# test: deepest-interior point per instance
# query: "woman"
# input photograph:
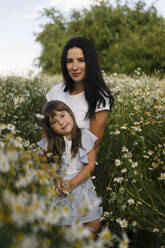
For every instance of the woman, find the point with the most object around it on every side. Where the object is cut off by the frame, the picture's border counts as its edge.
(83, 89)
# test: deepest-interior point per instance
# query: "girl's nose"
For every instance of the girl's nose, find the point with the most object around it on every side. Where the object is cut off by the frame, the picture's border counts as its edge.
(60, 122)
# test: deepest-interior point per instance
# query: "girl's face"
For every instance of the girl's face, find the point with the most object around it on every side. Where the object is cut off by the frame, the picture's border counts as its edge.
(62, 123)
(75, 64)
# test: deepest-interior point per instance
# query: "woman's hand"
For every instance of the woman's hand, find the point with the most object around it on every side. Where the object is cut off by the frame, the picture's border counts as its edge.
(97, 126)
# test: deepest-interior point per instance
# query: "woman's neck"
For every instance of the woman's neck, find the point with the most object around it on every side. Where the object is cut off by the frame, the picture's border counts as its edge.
(79, 87)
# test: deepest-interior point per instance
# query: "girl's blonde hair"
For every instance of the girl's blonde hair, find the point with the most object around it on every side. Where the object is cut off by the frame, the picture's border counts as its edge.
(56, 143)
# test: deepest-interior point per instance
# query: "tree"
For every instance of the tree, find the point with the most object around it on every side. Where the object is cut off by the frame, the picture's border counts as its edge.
(52, 39)
(126, 38)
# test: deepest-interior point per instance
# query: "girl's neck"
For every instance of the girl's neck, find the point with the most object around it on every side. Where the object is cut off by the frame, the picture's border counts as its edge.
(68, 137)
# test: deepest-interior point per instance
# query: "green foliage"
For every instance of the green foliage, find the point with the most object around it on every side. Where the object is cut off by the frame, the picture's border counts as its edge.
(132, 160)
(52, 39)
(21, 99)
(126, 38)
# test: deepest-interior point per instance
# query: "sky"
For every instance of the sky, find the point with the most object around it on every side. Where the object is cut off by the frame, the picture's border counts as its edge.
(20, 20)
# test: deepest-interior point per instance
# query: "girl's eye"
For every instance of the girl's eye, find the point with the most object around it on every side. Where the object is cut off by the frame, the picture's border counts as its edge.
(54, 122)
(62, 115)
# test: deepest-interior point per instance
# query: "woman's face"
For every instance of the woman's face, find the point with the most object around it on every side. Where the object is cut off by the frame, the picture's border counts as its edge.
(75, 64)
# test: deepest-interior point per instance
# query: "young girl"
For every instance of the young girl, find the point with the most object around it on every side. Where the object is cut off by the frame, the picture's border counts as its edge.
(76, 153)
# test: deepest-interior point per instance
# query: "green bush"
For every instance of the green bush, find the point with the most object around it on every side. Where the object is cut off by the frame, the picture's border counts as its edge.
(125, 37)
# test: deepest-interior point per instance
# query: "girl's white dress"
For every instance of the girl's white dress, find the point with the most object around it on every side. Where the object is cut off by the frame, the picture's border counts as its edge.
(82, 204)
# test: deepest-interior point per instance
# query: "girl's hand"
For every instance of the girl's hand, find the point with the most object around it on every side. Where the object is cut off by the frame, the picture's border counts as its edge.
(67, 187)
(58, 187)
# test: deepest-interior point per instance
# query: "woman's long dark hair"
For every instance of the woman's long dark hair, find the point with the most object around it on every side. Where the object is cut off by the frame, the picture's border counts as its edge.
(56, 143)
(94, 84)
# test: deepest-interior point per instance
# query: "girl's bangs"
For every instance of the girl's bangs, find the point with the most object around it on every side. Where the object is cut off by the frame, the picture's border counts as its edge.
(58, 108)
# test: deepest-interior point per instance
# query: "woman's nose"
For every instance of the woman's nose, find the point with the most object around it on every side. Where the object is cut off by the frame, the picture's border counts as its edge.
(75, 65)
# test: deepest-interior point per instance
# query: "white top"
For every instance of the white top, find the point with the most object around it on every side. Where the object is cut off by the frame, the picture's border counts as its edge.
(77, 103)
(74, 165)
(71, 163)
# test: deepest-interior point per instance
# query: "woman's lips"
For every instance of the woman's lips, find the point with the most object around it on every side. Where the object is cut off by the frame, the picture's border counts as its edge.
(76, 74)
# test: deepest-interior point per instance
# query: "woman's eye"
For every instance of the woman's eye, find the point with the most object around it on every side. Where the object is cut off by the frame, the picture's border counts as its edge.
(68, 61)
(82, 60)
(62, 115)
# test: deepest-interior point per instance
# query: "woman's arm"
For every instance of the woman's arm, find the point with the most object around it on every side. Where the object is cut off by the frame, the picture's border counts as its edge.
(43, 134)
(97, 126)
(83, 174)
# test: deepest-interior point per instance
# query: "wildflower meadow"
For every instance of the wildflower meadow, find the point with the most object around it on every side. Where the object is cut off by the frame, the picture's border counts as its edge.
(129, 175)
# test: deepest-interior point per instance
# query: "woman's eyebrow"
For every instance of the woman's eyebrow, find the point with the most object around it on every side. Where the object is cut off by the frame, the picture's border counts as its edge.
(81, 57)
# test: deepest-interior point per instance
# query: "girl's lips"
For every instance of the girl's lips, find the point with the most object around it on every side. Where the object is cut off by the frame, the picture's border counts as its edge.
(65, 127)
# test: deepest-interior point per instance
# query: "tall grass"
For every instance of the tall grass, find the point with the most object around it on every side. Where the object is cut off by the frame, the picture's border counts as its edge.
(21, 99)
(131, 169)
